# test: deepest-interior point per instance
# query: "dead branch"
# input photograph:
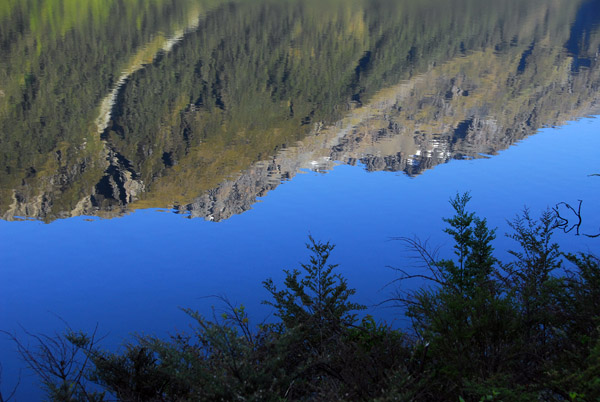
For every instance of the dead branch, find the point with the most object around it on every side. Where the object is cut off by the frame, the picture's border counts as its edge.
(567, 224)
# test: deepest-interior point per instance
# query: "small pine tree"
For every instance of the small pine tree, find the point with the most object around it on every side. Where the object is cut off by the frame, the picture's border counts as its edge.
(466, 321)
(319, 301)
(315, 313)
(473, 248)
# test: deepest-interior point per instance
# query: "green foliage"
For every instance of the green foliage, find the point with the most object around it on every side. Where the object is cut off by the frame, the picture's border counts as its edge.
(324, 347)
(577, 368)
(319, 301)
(472, 245)
(502, 330)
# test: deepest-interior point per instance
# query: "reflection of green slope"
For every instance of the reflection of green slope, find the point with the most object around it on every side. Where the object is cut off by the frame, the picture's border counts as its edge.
(60, 58)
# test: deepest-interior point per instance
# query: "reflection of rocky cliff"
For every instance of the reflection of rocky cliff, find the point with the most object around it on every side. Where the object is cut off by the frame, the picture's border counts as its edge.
(216, 123)
(469, 111)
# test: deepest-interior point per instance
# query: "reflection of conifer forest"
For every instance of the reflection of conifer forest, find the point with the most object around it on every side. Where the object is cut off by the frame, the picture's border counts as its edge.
(250, 78)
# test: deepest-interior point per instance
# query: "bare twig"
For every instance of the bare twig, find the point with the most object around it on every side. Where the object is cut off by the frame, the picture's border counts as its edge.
(423, 253)
(567, 225)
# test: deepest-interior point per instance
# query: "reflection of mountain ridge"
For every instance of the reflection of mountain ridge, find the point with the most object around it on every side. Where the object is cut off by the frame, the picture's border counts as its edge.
(386, 135)
(185, 127)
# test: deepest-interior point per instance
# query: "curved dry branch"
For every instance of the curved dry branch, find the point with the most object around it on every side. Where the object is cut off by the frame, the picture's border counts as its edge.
(567, 224)
(426, 255)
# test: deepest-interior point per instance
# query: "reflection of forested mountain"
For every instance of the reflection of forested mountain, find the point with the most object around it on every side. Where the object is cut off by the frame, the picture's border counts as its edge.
(58, 59)
(262, 89)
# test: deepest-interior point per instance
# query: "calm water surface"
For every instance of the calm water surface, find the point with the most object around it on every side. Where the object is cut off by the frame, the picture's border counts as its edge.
(155, 153)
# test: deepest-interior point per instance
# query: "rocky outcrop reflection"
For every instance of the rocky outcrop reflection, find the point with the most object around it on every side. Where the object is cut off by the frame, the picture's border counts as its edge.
(116, 187)
(236, 196)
